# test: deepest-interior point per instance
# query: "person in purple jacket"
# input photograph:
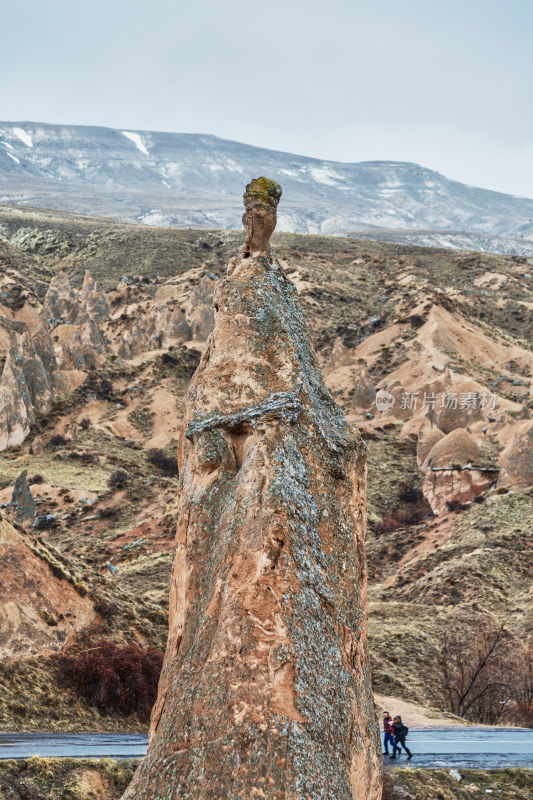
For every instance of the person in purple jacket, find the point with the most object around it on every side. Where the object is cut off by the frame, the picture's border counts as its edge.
(387, 733)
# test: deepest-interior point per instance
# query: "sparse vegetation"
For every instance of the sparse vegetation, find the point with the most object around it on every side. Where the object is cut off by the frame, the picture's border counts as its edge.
(409, 493)
(423, 576)
(438, 784)
(166, 463)
(70, 778)
(117, 680)
(105, 389)
(413, 516)
(57, 440)
(118, 479)
(65, 779)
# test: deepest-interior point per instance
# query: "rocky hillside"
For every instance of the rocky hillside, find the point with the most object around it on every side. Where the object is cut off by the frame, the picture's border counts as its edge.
(103, 323)
(192, 180)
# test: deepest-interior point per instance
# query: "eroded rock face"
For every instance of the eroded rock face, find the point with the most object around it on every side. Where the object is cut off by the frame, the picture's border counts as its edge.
(93, 302)
(88, 348)
(340, 356)
(29, 383)
(517, 459)
(38, 613)
(448, 487)
(22, 499)
(426, 441)
(365, 392)
(452, 483)
(200, 316)
(265, 690)
(16, 410)
(61, 303)
(261, 200)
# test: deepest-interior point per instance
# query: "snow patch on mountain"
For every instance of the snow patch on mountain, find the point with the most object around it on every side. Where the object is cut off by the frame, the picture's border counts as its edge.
(23, 136)
(325, 175)
(137, 141)
(196, 180)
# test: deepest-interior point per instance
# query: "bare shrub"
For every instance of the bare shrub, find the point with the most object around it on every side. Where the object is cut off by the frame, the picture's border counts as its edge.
(35, 479)
(85, 457)
(118, 479)
(408, 493)
(117, 680)
(455, 505)
(105, 389)
(85, 423)
(518, 705)
(416, 320)
(167, 464)
(57, 440)
(105, 608)
(109, 512)
(413, 516)
(386, 525)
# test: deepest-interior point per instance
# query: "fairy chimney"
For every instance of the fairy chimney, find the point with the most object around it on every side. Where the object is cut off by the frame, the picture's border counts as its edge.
(265, 689)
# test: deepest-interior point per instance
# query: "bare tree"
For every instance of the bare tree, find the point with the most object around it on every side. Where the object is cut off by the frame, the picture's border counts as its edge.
(518, 706)
(466, 672)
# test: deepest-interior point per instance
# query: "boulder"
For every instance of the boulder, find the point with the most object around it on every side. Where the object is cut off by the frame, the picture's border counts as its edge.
(265, 689)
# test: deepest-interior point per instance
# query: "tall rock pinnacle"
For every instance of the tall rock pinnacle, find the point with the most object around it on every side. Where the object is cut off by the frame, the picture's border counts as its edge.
(265, 690)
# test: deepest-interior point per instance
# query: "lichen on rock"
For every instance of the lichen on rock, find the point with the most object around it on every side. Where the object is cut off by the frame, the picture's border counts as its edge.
(265, 689)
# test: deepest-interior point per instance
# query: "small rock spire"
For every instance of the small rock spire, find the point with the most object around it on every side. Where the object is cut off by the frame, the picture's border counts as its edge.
(261, 200)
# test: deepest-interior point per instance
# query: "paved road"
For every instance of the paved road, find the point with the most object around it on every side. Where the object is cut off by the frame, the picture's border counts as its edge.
(474, 748)
(73, 745)
(481, 748)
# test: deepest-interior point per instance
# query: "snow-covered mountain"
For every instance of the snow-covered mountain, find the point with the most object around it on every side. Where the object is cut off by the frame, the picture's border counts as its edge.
(195, 180)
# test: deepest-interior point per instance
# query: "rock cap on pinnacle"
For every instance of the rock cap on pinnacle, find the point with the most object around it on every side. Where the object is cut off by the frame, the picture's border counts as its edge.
(262, 191)
(261, 200)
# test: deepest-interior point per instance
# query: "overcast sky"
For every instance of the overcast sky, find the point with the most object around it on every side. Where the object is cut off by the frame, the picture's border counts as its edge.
(445, 83)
